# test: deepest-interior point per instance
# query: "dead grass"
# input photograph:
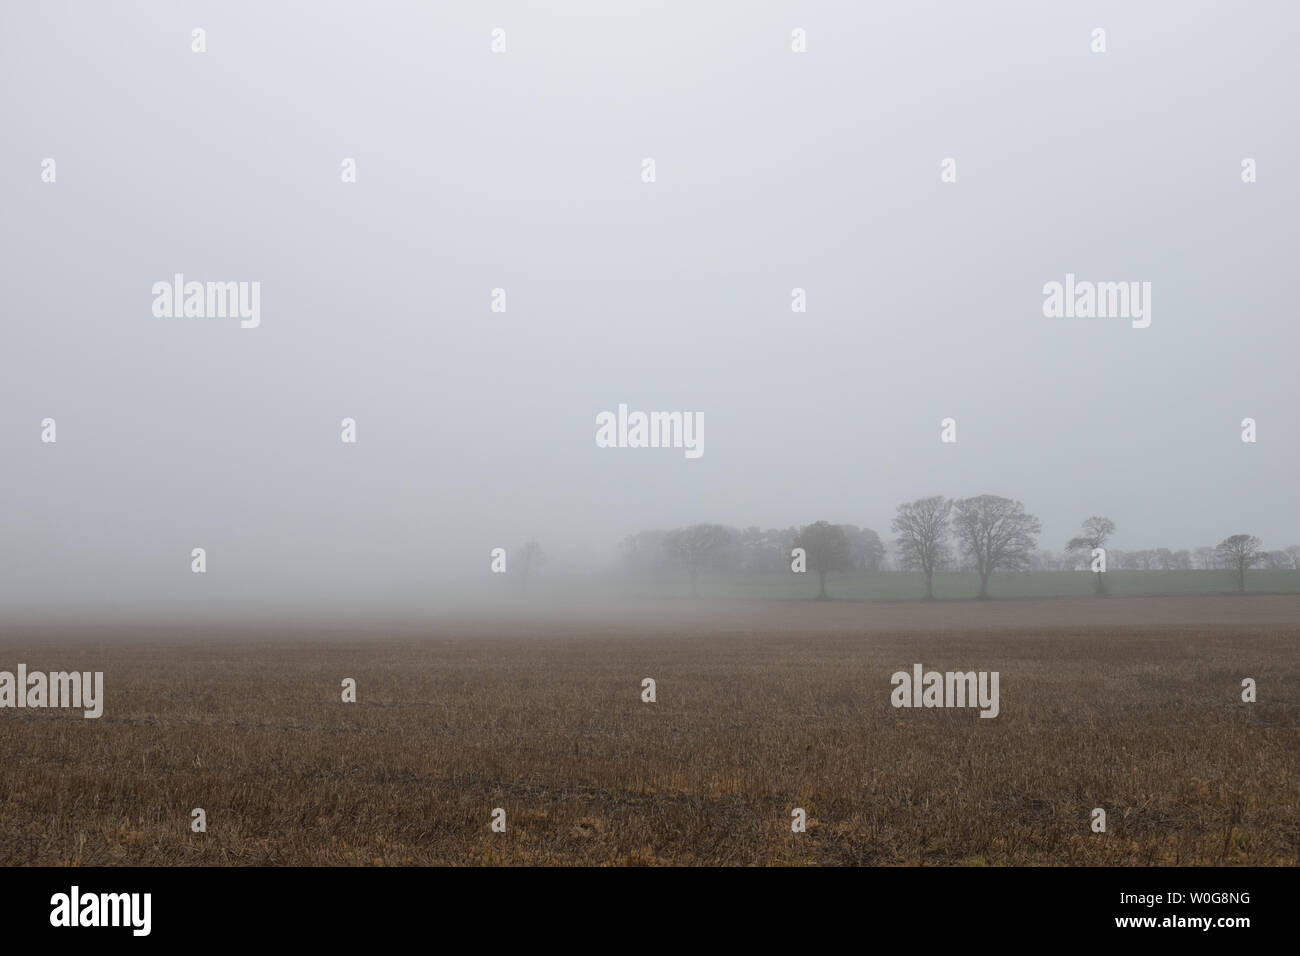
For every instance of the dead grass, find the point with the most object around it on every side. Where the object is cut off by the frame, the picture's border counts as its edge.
(1144, 721)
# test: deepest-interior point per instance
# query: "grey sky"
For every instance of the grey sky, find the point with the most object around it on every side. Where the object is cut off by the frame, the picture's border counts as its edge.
(522, 171)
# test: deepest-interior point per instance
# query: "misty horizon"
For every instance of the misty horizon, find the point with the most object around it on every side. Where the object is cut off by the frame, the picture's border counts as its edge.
(477, 429)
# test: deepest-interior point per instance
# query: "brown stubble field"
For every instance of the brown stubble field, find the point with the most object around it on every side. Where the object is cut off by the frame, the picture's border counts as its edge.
(1132, 705)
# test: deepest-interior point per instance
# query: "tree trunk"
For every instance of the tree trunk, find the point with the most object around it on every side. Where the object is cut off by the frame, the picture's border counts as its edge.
(1241, 579)
(1098, 584)
(929, 586)
(984, 585)
(821, 578)
(694, 591)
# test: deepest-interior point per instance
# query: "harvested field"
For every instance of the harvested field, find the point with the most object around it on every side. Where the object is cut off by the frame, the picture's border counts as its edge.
(1128, 704)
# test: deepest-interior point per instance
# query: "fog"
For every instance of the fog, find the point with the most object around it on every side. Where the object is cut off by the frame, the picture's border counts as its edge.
(522, 171)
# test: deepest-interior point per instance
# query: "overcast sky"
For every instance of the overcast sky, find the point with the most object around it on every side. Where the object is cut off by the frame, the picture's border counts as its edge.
(523, 170)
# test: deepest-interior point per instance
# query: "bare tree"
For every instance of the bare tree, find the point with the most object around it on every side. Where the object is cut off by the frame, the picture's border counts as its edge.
(867, 550)
(828, 549)
(1093, 535)
(1239, 552)
(1293, 552)
(922, 529)
(698, 547)
(995, 533)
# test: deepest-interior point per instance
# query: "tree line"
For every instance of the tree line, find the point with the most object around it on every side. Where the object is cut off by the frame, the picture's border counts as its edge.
(981, 534)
